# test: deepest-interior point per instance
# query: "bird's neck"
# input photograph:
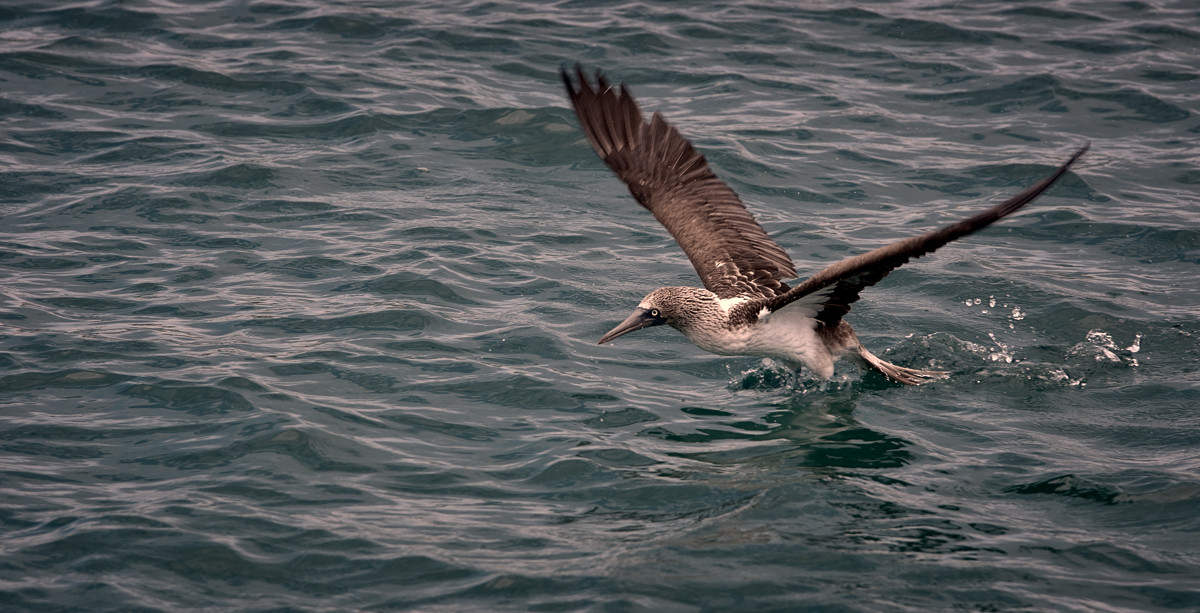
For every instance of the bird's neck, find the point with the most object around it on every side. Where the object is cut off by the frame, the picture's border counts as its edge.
(701, 311)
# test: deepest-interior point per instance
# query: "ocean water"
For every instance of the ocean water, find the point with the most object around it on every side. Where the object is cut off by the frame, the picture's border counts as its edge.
(300, 301)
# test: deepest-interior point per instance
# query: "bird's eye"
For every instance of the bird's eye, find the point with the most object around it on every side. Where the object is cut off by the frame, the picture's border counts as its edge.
(654, 312)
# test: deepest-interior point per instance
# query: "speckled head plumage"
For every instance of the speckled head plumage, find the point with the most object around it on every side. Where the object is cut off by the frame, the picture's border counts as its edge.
(682, 308)
(685, 306)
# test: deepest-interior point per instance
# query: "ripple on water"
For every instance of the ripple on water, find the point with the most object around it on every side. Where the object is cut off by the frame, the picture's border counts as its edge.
(300, 303)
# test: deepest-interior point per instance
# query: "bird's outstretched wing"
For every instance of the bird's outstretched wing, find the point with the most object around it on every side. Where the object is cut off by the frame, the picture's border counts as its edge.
(829, 293)
(732, 253)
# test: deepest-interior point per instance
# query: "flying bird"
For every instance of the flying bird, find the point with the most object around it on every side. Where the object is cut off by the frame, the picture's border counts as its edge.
(745, 306)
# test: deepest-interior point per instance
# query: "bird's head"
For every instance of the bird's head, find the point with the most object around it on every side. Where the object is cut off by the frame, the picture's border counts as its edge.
(665, 305)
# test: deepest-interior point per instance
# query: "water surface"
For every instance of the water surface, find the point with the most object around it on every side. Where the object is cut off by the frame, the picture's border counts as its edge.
(300, 302)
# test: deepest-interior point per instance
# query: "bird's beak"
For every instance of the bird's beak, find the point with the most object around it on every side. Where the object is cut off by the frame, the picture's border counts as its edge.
(641, 318)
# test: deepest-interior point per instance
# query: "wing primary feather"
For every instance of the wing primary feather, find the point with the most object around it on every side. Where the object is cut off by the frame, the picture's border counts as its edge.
(850, 276)
(729, 249)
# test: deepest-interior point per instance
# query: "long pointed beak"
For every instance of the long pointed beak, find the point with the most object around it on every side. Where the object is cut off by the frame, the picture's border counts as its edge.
(641, 318)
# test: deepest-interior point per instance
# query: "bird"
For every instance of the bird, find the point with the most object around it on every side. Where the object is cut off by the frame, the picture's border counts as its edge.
(746, 307)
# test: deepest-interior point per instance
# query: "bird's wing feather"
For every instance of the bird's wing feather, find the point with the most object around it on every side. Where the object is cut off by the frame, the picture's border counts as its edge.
(830, 293)
(729, 249)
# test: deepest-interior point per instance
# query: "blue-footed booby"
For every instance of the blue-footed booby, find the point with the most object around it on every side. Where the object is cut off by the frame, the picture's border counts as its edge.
(745, 307)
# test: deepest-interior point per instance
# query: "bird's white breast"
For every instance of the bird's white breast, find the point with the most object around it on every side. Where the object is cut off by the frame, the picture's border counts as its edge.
(786, 334)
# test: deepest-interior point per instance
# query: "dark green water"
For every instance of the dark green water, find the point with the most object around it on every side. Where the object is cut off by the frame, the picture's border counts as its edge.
(299, 306)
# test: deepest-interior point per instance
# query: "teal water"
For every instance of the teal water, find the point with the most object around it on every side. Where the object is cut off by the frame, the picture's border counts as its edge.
(300, 302)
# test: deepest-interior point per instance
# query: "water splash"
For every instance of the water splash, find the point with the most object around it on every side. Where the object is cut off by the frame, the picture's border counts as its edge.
(1101, 347)
(1137, 344)
(1014, 315)
(1059, 375)
(1003, 352)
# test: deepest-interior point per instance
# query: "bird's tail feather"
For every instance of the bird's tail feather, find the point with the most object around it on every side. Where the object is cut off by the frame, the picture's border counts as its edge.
(900, 374)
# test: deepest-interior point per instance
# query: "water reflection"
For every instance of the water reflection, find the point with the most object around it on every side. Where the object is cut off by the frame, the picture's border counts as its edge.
(811, 425)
